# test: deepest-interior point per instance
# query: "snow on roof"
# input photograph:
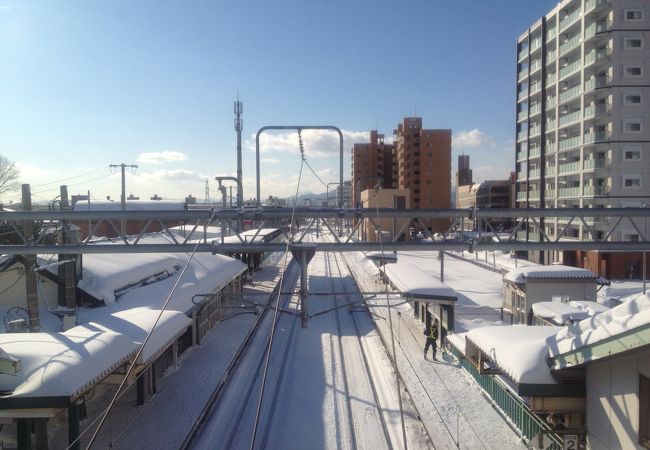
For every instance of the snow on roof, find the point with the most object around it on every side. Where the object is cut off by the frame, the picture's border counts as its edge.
(558, 312)
(521, 274)
(410, 279)
(131, 205)
(592, 308)
(623, 318)
(62, 364)
(67, 363)
(518, 350)
(247, 236)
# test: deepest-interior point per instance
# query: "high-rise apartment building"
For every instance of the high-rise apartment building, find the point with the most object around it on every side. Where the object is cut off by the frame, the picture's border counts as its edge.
(424, 166)
(372, 160)
(583, 122)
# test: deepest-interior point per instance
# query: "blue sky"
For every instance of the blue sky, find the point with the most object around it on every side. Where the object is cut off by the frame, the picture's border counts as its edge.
(85, 84)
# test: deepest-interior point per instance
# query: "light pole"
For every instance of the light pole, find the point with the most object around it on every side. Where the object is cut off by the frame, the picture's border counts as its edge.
(223, 196)
(327, 189)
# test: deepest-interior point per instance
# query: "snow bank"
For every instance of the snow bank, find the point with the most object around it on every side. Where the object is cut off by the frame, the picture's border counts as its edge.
(592, 308)
(625, 317)
(555, 271)
(559, 313)
(518, 350)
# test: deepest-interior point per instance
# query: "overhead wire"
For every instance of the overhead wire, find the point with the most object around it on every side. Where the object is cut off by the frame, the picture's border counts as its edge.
(277, 305)
(392, 333)
(146, 340)
(67, 178)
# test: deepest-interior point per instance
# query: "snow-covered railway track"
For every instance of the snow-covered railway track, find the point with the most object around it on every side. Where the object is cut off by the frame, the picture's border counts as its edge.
(359, 382)
(229, 417)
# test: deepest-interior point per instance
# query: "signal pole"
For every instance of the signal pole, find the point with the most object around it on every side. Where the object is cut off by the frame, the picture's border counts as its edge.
(123, 197)
(239, 125)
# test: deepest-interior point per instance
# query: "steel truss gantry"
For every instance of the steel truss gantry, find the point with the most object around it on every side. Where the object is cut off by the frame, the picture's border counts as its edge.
(616, 218)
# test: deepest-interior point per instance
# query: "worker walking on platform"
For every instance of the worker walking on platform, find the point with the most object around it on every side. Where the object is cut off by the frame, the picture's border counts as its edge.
(432, 335)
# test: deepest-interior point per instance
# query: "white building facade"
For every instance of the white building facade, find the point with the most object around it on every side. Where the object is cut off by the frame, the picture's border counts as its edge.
(583, 115)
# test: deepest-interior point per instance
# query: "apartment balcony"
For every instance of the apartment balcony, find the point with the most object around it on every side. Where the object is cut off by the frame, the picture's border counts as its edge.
(590, 84)
(595, 190)
(569, 142)
(569, 118)
(521, 195)
(590, 5)
(598, 136)
(592, 164)
(533, 173)
(603, 108)
(535, 66)
(569, 192)
(550, 193)
(551, 124)
(569, 167)
(533, 152)
(522, 115)
(521, 176)
(551, 147)
(522, 155)
(522, 135)
(551, 78)
(570, 44)
(535, 88)
(535, 131)
(570, 69)
(522, 75)
(535, 109)
(522, 96)
(551, 33)
(551, 55)
(551, 102)
(589, 112)
(570, 19)
(535, 44)
(522, 54)
(603, 26)
(549, 171)
(569, 94)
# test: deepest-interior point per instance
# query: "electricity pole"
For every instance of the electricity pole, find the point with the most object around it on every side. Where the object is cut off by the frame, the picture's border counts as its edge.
(123, 197)
(239, 125)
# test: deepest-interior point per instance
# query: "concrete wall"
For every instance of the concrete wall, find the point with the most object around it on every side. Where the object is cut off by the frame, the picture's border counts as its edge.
(384, 198)
(613, 401)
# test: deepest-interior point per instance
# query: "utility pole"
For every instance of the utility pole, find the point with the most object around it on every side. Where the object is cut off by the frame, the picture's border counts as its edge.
(239, 125)
(123, 196)
(30, 264)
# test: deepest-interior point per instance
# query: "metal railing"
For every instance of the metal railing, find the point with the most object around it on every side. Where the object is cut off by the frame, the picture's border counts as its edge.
(570, 19)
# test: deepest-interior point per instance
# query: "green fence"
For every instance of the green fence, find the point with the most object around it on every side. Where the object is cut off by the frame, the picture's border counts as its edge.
(525, 421)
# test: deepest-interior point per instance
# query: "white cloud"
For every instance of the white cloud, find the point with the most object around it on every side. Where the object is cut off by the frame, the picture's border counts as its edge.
(317, 143)
(270, 160)
(472, 139)
(161, 157)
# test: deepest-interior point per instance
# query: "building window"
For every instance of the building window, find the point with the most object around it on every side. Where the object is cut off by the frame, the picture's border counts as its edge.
(632, 154)
(632, 71)
(631, 182)
(632, 126)
(644, 411)
(632, 98)
(633, 43)
(633, 15)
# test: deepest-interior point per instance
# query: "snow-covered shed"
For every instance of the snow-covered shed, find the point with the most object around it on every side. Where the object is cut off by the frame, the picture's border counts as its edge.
(557, 313)
(528, 285)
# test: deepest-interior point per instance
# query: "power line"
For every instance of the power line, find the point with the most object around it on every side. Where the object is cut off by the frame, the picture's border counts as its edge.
(68, 178)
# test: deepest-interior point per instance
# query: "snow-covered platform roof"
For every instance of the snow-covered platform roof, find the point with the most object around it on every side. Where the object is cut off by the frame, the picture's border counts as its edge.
(415, 282)
(249, 236)
(56, 367)
(558, 272)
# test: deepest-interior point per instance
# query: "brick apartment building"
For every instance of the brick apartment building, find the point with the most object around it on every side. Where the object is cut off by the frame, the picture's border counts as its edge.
(373, 159)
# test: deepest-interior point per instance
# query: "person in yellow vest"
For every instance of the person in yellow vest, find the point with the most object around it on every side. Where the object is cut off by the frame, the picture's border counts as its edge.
(432, 335)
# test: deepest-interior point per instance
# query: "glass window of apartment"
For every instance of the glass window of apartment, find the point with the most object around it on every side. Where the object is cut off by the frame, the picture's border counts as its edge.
(631, 181)
(632, 126)
(632, 153)
(644, 411)
(632, 71)
(633, 43)
(632, 98)
(633, 15)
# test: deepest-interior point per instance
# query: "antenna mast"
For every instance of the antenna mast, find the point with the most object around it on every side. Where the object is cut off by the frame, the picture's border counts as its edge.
(239, 125)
